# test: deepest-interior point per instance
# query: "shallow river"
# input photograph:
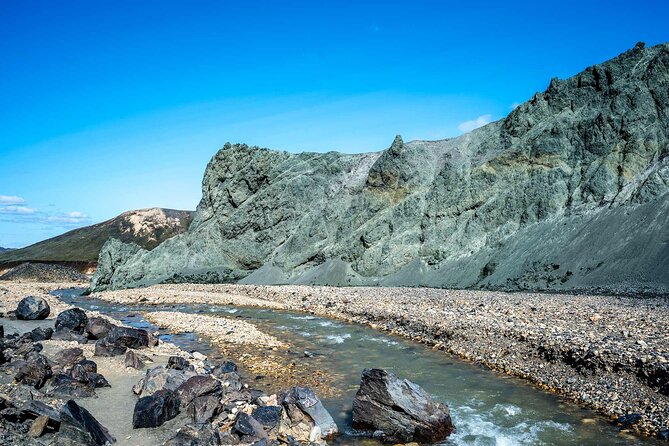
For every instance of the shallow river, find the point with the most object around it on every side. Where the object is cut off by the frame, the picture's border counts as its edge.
(487, 408)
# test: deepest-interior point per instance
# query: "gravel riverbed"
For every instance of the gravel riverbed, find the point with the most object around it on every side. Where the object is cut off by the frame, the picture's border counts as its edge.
(607, 353)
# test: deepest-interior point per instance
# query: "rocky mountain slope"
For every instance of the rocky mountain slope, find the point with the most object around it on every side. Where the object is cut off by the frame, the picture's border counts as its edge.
(5, 249)
(567, 192)
(81, 247)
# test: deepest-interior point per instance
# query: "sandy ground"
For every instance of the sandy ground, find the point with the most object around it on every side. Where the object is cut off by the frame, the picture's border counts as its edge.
(605, 353)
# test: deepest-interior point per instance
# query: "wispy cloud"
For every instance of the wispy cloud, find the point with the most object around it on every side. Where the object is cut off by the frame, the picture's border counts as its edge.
(11, 199)
(468, 126)
(70, 218)
(16, 210)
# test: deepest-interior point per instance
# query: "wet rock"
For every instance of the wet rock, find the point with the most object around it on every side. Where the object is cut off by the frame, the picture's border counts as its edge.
(196, 435)
(35, 371)
(78, 428)
(628, 420)
(204, 408)
(199, 385)
(129, 337)
(154, 410)
(38, 426)
(32, 308)
(107, 349)
(178, 363)
(247, 426)
(73, 320)
(268, 416)
(98, 327)
(398, 410)
(133, 360)
(159, 378)
(304, 412)
(223, 369)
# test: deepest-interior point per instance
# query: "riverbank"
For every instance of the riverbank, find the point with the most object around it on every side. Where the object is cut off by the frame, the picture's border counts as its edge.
(609, 354)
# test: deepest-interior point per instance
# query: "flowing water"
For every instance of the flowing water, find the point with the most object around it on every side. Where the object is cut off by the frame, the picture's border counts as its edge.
(487, 408)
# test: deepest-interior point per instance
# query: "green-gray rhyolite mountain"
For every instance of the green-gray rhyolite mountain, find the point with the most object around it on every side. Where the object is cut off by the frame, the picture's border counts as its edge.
(569, 191)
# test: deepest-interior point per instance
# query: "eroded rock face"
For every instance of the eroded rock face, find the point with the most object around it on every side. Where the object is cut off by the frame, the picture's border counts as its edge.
(568, 191)
(398, 410)
(305, 418)
(32, 308)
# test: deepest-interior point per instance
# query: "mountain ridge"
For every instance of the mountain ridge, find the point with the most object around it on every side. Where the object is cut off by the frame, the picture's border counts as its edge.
(497, 207)
(81, 247)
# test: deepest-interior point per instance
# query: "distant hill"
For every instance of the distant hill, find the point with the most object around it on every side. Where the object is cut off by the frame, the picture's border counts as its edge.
(81, 247)
(5, 249)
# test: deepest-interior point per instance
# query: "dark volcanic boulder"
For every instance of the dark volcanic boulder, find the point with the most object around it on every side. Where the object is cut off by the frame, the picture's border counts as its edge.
(32, 308)
(204, 408)
(400, 409)
(177, 362)
(133, 360)
(105, 348)
(35, 371)
(154, 410)
(199, 385)
(159, 378)
(98, 327)
(223, 369)
(301, 404)
(128, 337)
(196, 435)
(247, 426)
(73, 320)
(67, 358)
(38, 334)
(268, 416)
(79, 428)
(64, 386)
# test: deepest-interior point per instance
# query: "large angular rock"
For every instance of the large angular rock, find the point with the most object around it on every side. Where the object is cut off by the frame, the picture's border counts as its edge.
(247, 426)
(159, 378)
(398, 410)
(203, 408)
(129, 337)
(199, 385)
(98, 327)
(35, 371)
(107, 349)
(73, 320)
(196, 435)
(32, 308)
(305, 412)
(154, 410)
(79, 428)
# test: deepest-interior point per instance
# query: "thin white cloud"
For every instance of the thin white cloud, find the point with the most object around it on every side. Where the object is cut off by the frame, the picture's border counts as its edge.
(16, 210)
(69, 218)
(468, 126)
(11, 199)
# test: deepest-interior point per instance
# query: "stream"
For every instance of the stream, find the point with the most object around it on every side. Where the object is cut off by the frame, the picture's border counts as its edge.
(487, 408)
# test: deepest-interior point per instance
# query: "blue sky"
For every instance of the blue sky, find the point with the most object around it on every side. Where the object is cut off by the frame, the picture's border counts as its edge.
(116, 105)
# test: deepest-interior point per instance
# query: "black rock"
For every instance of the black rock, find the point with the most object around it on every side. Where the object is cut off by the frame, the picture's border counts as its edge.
(97, 380)
(178, 363)
(73, 320)
(80, 373)
(226, 367)
(78, 427)
(32, 308)
(33, 409)
(128, 337)
(663, 434)
(133, 360)
(161, 378)
(199, 385)
(35, 371)
(67, 335)
(39, 334)
(204, 408)
(247, 426)
(196, 435)
(98, 327)
(104, 348)
(268, 416)
(154, 410)
(89, 366)
(68, 357)
(628, 420)
(399, 410)
(65, 386)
